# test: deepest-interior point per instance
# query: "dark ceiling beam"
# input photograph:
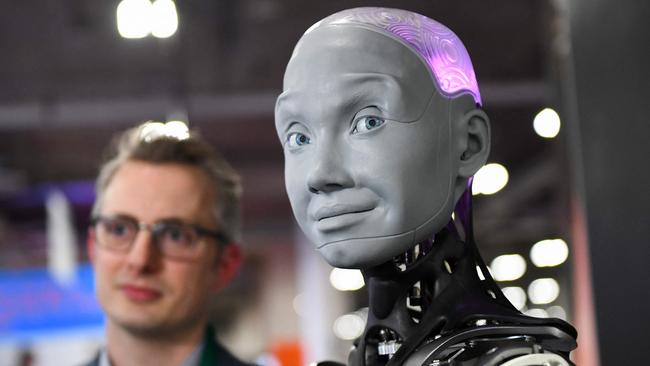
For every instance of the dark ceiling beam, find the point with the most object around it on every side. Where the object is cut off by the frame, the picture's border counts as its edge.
(34, 114)
(516, 214)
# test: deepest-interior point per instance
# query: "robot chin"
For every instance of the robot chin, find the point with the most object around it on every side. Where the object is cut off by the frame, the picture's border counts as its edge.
(366, 252)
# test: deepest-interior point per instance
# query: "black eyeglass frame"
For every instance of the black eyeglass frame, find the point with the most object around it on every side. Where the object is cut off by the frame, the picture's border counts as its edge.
(154, 228)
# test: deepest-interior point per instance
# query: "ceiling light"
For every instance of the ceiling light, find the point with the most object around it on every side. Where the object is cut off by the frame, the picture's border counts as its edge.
(508, 267)
(177, 129)
(549, 253)
(349, 326)
(134, 18)
(537, 313)
(516, 295)
(547, 123)
(164, 18)
(490, 179)
(299, 305)
(346, 279)
(556, 311)
(543, 291)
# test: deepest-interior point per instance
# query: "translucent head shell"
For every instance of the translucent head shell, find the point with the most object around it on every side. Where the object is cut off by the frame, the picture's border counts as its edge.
(435, 44)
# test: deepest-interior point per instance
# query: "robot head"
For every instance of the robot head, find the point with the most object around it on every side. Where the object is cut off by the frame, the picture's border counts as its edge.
(380, 131)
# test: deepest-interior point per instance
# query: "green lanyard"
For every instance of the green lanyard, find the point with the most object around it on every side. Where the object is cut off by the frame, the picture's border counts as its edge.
(209, 353)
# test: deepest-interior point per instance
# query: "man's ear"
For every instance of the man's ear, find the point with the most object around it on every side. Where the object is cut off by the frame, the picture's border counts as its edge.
(473, 143)
(90, 244)
(229, 262)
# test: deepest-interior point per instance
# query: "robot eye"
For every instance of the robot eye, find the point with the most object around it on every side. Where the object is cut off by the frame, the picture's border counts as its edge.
(367, 123)
(297, 139)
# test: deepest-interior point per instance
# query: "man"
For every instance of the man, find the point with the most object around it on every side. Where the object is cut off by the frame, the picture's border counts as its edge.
(162, 242)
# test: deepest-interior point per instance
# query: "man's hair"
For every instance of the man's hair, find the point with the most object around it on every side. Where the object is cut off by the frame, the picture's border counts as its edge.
(145, 144)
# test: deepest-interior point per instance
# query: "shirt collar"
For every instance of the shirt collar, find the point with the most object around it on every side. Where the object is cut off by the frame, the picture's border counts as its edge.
(192, 360)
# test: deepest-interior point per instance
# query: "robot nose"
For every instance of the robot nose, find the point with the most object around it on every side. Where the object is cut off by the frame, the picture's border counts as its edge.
(329, 171)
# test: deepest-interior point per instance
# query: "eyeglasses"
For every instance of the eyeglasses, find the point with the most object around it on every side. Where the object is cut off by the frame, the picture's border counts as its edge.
(174, 238)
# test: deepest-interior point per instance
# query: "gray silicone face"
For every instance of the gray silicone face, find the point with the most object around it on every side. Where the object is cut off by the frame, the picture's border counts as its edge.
(368, 163)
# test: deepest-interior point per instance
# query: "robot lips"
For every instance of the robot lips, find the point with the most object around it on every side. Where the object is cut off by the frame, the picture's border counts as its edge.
(341, 215)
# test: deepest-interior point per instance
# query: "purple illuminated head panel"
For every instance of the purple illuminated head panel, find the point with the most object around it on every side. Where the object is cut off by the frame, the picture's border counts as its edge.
(436, 44)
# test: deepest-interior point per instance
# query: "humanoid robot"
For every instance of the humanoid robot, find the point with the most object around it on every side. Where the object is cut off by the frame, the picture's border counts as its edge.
(382, 130)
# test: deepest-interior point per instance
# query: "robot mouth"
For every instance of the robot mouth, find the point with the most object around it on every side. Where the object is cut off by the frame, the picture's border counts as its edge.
(324, 214)
(341, 220)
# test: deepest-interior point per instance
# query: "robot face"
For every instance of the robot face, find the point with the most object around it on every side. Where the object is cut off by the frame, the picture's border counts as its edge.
(366, 137)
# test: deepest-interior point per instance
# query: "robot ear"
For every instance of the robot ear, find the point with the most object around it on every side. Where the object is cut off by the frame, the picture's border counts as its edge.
(473, 142)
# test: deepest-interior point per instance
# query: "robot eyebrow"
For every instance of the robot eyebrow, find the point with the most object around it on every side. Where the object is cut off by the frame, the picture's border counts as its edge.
(289, 126)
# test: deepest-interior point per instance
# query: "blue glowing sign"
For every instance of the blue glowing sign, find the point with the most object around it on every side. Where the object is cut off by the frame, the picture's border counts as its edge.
(33, 305)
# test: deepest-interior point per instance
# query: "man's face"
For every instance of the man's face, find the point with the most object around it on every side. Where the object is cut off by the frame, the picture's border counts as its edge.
(141, 290)
(367, 146)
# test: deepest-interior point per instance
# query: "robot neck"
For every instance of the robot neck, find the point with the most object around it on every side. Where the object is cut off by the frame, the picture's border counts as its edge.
(437, 288)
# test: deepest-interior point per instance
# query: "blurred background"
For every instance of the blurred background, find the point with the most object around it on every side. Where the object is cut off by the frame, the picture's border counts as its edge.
(560, 212)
